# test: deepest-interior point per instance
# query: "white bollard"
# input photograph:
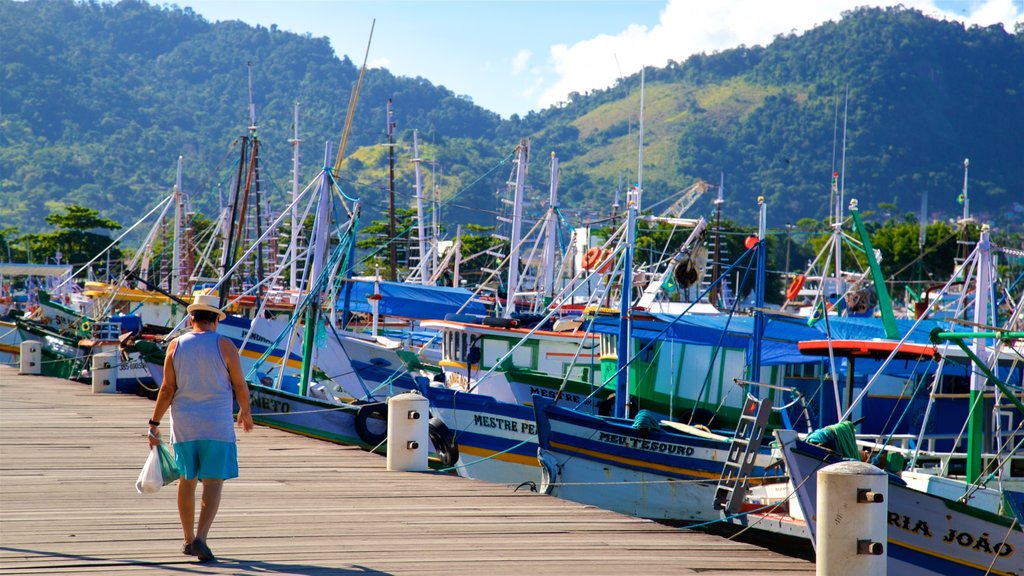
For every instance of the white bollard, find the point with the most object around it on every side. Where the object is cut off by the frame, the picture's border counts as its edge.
(104, 372)
(851, 520)
(408, 432)
(31, 360)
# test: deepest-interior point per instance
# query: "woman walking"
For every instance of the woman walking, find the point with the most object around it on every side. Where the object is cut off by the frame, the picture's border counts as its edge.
(202, 380)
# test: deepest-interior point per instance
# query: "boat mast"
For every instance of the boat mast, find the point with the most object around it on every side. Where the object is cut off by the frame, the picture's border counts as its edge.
(625, 307)
(837, 224)
(227, 259)
(392, 252)
(626, 296)
(178, 274)
(293, 241)
(523, 156)
(421, 225)
(551, 239)
(976, 417)
(319, 255)
(759, 283)
(255, 176)
(434, 209)
(719, 200)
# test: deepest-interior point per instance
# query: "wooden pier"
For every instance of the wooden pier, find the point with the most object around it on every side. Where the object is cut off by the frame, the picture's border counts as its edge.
(68, 505)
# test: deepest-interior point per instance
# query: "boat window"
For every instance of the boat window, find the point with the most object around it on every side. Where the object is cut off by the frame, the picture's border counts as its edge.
(492, 351)
(525, 356)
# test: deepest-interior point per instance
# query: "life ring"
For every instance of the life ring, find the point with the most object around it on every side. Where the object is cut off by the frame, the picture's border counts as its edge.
(595, 256)
(444, 442)
(377, 411)
(794, 287)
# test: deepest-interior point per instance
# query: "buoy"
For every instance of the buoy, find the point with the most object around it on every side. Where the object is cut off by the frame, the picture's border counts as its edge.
(795, 286)
(592, 258)
(751, 241)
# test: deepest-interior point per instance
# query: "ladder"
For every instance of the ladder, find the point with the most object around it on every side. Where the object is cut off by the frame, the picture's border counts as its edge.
(746, 443)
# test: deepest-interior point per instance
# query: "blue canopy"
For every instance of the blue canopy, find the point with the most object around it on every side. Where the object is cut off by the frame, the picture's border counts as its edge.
(412, 300)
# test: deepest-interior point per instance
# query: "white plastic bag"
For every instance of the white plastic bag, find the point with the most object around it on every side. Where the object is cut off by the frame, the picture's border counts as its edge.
(151, 479)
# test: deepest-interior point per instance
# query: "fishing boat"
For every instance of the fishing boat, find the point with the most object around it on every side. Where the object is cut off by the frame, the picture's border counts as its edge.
(954, 504)
(647, 466)
(928, 533)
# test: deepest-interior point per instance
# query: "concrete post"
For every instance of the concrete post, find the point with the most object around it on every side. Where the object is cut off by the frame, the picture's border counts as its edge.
(104, 373)
(31, 360)
(408, 432)
(851, 520)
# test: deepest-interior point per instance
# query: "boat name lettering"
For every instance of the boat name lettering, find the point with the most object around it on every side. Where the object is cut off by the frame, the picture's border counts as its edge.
(133, 363)
(980, 543)
(648, 445)
(523, 426)
(256, 337)
(549, 393)
(260, 401)
(903, 522)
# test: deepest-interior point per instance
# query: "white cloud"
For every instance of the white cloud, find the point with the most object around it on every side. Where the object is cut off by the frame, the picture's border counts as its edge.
(688, 27)
(379, 63)
(520, 61)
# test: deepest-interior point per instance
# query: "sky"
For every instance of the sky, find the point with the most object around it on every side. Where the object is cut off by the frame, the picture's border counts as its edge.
(514, 56)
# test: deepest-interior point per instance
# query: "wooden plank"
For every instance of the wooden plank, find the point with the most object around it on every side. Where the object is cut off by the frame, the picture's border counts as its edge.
(68, 462)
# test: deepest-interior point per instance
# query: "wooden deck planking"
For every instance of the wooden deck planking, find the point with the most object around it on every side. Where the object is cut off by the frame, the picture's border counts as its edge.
(68, 462)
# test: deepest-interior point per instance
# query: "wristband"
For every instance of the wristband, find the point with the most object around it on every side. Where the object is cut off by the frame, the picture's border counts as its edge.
(154, 422)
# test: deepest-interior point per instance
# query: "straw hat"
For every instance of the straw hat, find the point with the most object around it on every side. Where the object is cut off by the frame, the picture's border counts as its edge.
(206, 302)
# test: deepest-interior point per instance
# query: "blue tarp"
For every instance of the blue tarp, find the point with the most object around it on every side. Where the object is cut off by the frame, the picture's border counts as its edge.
(412, 300)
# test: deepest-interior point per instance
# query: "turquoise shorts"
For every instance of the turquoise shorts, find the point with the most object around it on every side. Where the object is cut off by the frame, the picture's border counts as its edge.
(206, 459)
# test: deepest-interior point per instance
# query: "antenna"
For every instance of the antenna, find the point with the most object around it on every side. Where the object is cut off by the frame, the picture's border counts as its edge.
(966, 201)
(842, 171)
(640, 148)
(252, 105)
(922, 221)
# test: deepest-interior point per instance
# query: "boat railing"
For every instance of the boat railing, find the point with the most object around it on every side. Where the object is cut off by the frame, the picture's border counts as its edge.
(952, 462)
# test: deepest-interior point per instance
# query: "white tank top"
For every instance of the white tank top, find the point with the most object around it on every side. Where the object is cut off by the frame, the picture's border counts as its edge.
(202, 405)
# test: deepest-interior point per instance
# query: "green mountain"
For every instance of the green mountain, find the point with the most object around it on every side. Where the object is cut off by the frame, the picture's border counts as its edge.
(98, 100)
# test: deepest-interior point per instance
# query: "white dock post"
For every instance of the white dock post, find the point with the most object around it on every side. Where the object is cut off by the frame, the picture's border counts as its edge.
(31, 358)
(851, 520)
(408, 432)
(104, 373)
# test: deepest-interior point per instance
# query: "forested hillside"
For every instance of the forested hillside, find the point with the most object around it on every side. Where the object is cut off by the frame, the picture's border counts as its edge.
(98, 100)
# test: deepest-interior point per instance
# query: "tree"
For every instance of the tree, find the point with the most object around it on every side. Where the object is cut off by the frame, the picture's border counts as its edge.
(74, 240)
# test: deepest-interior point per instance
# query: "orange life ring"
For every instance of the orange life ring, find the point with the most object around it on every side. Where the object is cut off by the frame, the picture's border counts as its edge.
(794, 288)
(592, 258)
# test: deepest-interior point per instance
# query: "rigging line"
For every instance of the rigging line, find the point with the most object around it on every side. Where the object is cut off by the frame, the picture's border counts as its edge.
(921, 256)
(819, 300)
(409, 228)
(748, 254)
(995, 557)
(956, 442)
(315, 288)
(775, 506)
(257, 244)
(114, 243)
(979, 483)
(706, 384)
(906, 409)
(975, 258)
